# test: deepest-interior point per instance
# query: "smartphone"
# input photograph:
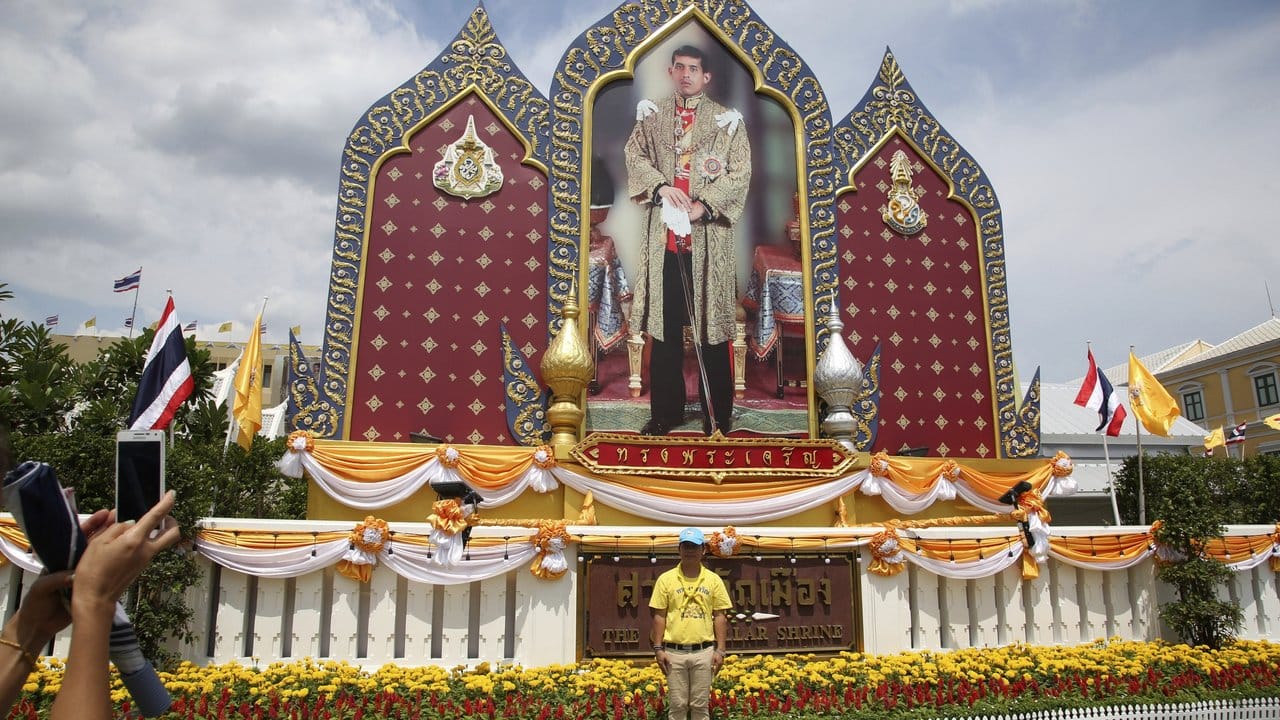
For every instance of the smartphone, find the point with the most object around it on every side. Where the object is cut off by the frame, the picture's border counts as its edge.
(139, 472)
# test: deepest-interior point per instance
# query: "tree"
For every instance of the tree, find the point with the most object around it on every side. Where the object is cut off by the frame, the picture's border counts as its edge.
(67, 415)
(1194, 498)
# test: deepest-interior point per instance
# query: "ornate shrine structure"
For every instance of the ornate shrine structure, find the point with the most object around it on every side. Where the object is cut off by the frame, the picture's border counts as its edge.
(479, 488)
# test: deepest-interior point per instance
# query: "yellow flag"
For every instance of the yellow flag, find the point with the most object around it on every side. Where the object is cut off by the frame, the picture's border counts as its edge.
(1215, 439)
(91, 322)
(1272, 421)
(224, 327)
(247, 409)
(1153, 405)
(296, 330)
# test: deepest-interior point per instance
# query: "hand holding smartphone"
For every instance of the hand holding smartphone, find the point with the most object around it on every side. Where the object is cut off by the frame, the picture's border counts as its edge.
(139, 472)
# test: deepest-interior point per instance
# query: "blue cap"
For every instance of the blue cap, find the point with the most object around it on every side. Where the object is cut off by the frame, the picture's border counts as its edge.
(692, 535)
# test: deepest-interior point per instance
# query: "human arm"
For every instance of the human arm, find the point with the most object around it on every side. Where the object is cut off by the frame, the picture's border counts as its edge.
(656, 633)
(111, 562)
(40, 616)
(643, 176)
(721, 620)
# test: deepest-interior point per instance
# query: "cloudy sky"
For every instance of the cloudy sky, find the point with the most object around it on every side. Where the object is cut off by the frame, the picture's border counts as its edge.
(1132, 145)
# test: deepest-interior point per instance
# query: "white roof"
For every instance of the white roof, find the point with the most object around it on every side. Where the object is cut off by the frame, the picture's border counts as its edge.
(1267, 332)
(1190, 353)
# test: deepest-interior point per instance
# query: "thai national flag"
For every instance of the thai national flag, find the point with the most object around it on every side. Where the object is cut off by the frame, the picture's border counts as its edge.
(1237, 434)
(189, 327)
(51, 321)
(166, 376)
(129, 282)
(128, 322)
(1096, 393)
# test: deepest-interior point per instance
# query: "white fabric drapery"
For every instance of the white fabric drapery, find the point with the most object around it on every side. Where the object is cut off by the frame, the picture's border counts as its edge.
(728, 512)
(972, 570)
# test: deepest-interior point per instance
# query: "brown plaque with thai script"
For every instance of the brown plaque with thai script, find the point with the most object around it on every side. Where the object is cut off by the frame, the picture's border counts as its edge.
(778, 605)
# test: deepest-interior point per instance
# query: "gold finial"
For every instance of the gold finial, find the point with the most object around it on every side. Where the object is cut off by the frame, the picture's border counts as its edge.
(567, 367)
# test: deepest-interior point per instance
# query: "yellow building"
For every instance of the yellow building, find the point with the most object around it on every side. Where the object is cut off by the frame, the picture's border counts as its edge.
(1234, 382)
(222, 353)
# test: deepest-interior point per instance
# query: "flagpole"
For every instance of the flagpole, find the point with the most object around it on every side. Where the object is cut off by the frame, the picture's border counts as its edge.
(1106, 454)
(133, 316)
(1137, 428)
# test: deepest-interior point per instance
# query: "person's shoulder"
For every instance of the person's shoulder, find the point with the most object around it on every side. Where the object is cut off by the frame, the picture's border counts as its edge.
(650, 108)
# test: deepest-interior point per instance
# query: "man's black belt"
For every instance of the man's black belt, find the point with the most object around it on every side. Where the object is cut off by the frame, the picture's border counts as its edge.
(693, 647)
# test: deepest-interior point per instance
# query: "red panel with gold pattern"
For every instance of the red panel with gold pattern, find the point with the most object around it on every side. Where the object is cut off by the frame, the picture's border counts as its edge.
(440, 274)
(921, 297)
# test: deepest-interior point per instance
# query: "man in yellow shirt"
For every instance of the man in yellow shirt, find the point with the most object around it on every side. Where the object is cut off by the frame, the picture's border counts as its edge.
(689, 627)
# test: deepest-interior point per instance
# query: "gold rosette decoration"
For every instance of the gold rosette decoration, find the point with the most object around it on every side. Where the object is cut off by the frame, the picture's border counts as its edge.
(447, 519)
(947, 479)
(880, 464)
(879, 473)
(1062, 468)
(300, 441)
(365, 542)
(448, 456)
(724, 544)
(1061, 465)
(887, 557)
(541, 478)
(544, 458)
(550, 542)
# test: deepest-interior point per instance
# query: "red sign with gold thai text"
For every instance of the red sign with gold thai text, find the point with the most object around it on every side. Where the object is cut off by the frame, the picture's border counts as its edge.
(713, 458)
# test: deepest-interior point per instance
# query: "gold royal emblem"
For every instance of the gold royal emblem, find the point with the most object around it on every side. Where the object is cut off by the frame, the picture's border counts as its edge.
(904, 213)
(468, 169)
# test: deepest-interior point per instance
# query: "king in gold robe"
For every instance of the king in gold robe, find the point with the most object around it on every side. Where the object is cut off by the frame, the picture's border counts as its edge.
(710, 158)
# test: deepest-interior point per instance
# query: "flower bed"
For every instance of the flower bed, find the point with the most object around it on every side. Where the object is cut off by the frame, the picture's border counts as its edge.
(911, 684)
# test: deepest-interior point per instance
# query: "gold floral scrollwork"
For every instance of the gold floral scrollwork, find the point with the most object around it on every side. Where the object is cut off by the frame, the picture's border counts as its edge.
(549, 563)
(866, 409)
(526, 407)
(887, 556)
(308, 410)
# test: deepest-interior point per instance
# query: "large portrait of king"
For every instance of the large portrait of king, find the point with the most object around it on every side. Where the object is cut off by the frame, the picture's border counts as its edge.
(696, 264)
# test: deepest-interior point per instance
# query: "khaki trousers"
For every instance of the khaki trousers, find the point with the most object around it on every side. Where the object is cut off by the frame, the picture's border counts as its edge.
(689, 684)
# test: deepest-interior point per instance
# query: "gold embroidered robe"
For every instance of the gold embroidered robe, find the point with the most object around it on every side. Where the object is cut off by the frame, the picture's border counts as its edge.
(651, 160)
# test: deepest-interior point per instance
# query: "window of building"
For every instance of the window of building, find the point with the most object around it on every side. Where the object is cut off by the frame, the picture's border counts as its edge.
(1265, 387)
(1193, 405)
(266, 376)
